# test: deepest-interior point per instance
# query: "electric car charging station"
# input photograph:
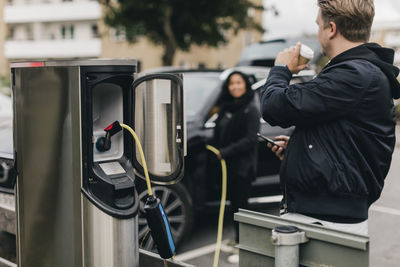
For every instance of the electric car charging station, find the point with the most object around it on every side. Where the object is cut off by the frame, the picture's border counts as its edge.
(76, 201)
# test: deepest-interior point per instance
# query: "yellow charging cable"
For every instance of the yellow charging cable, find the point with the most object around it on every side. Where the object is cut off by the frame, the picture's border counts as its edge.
(221, 208)
(146, 172)
(223, 195)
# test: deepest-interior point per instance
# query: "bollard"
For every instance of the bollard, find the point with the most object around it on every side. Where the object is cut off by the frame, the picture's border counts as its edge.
(286, 239)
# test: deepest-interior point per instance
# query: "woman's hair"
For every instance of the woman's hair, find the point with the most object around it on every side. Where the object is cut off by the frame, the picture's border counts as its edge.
(353, 18)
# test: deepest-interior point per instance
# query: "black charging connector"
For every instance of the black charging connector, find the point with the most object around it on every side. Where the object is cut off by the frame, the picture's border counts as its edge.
(159, 227)
(104, 143)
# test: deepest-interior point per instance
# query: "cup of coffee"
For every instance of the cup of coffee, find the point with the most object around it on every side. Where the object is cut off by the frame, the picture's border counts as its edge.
(306, 54)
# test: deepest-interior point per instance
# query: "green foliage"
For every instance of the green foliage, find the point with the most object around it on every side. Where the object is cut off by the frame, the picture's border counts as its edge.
(180, 23)
(5, 81)
(5, 85)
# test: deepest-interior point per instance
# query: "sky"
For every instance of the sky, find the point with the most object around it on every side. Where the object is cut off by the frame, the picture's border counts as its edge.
(297, 17)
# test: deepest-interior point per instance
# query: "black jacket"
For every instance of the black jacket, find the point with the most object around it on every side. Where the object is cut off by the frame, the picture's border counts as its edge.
(341, 150)
(235, 134)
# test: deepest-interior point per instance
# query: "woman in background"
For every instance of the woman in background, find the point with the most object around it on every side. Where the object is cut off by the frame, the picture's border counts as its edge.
(235, 136)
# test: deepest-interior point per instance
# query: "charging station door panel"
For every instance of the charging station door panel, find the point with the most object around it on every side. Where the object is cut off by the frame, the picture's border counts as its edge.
(159, 123)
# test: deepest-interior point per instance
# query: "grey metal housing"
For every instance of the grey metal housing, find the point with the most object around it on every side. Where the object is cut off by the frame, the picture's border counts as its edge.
(56, 224)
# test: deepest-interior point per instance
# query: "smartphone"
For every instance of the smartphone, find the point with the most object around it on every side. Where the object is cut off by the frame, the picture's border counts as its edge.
(269, 140)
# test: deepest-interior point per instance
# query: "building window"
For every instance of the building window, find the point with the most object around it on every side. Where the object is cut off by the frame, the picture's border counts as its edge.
(95, 31)
(67, 32)
(11, 33)
(63, 32)
(29, 32)
(72, 31)
(201, 65)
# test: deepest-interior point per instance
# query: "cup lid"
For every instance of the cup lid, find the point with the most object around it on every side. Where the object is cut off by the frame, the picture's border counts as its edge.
(306, 51)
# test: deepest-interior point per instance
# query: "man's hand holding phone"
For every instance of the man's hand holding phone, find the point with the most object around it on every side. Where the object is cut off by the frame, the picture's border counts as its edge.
(278, 146)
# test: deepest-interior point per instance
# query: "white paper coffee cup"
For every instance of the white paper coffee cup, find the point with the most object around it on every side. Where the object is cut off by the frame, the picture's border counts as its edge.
(306, 54)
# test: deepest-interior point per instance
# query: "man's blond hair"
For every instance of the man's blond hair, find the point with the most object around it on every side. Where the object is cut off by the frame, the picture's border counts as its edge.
(353, 18)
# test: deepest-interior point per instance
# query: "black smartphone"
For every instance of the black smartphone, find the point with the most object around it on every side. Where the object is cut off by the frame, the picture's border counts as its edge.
(269, 140)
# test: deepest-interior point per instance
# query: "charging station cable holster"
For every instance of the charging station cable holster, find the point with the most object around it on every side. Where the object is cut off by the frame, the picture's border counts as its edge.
(159, 227)
(104, 143)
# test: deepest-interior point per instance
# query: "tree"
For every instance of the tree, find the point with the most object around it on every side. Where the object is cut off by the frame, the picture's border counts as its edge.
(177, 24)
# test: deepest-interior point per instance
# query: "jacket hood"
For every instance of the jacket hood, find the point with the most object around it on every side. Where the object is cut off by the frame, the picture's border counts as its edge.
(377, 55)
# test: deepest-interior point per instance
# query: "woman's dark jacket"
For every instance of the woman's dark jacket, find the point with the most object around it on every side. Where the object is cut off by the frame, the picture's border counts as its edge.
(341, 150)
(235, 133)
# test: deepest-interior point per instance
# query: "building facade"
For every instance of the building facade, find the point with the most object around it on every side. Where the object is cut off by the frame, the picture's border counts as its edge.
(66, 29)
(52, 29)
(3, 60)
(386, 26)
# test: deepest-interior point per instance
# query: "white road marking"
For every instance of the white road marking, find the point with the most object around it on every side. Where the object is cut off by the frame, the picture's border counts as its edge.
(198, 252)
(385, 210)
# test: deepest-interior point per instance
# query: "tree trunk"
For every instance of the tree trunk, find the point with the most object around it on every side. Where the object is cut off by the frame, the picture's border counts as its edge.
(170, 45)
(169, 54)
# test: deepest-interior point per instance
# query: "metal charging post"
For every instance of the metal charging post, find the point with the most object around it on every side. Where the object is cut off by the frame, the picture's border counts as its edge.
(286, 239)
(86, 211)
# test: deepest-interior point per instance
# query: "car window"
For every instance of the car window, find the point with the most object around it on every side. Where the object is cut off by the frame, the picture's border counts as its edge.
(198, 89)
(258, 51)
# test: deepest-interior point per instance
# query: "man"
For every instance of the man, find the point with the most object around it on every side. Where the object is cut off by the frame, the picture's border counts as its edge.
(340, 152)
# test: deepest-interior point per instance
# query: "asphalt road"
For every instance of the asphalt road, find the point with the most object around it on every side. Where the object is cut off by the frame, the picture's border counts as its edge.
(199, 249)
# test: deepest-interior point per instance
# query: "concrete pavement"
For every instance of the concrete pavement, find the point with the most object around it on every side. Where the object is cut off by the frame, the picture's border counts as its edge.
(384, 218)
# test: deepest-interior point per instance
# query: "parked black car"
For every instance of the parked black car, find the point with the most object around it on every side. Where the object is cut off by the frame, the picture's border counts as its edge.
(200, 188)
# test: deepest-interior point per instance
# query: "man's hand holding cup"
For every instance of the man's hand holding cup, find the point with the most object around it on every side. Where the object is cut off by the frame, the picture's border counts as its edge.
(295, 57)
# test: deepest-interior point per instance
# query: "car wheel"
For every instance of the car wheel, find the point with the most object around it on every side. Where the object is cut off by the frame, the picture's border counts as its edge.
(177, 204)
